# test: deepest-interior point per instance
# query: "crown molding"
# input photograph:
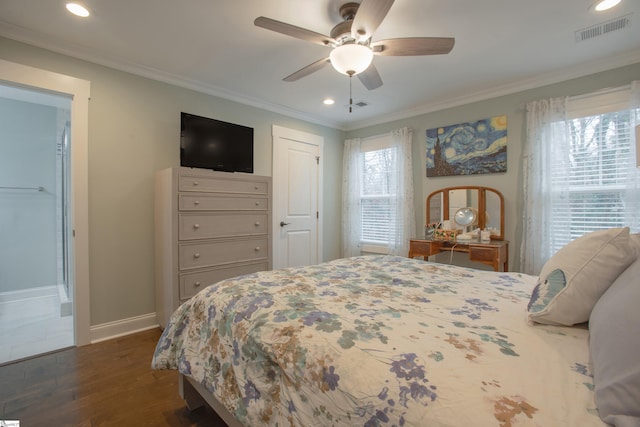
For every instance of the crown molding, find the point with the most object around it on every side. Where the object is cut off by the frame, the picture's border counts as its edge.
(80, 52)
(77, 51)
(582, 70)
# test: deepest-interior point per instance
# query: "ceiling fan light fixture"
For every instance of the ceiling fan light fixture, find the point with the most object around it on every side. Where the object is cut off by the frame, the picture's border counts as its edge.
(351, 59)
(78, 9)
(602, 5)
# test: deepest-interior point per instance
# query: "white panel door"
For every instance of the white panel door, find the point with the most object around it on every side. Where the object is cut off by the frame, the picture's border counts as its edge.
(296, 195)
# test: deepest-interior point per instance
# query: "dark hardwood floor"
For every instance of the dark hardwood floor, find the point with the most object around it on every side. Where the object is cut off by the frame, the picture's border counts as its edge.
(105, 384)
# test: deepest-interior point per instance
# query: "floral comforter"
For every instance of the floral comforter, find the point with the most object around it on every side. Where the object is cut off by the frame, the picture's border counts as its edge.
(380, 341)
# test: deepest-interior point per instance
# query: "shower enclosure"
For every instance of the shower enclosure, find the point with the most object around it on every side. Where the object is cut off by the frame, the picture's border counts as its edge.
(62, 220)
(36, 281)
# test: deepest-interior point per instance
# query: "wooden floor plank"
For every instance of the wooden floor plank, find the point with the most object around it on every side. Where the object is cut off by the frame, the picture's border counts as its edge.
(105, 384)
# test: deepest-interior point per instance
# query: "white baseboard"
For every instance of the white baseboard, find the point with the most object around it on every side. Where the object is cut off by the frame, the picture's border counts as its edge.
(39, 292)
(109, 330)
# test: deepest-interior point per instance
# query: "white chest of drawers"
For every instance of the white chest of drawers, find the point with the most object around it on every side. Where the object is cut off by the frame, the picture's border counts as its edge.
(209, 226)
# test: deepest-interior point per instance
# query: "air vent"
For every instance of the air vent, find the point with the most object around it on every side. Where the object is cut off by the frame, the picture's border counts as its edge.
(358, 104)
(603, 28)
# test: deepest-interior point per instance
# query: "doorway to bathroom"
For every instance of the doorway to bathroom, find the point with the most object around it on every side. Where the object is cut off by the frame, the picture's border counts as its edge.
(36, 281)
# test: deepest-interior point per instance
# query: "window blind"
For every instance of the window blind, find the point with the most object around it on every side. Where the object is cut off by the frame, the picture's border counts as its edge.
(592, 190)
(378, 219)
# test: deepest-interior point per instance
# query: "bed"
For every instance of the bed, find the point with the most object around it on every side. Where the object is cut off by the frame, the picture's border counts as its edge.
(379, 341)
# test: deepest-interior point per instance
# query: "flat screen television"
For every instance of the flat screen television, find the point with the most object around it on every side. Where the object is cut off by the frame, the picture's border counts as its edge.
(213, 144)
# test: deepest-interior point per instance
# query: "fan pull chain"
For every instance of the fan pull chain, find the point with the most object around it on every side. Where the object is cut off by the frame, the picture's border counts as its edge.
(350, 97)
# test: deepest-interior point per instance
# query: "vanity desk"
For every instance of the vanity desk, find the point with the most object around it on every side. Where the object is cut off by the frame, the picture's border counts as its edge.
(494, 253)
(465, 208)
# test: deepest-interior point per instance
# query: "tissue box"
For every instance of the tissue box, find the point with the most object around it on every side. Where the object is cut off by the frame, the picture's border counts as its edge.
(446, 235)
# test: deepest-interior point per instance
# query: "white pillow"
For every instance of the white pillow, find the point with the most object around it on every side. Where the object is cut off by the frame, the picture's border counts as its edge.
(573, 280)
(614, 347)
(635, 242)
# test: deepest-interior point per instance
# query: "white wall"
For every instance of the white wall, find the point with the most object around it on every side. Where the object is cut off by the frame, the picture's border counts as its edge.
(27, 217)
(509, 183)
(134, 130)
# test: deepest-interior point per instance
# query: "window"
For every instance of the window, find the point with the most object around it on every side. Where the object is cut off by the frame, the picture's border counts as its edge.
(377, 191)
(579, 170)
(377, 194)
(597, 172)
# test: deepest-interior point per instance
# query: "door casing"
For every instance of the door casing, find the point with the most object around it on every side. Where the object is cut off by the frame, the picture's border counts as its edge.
(29, 77)
(283, 138)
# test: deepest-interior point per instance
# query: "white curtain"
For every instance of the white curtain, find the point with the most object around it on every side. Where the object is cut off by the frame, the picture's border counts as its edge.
(401, 187)
(547, 142)
(402, 200)
(351, 204)
(632, 193)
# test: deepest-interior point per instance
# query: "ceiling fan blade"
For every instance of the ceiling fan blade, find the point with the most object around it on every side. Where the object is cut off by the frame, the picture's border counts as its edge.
(311, 68)
(293, 31)
(413, 46)
(369, 17)
(370, 78)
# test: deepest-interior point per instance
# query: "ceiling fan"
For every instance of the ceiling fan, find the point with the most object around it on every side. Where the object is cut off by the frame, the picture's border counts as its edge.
(352, 49)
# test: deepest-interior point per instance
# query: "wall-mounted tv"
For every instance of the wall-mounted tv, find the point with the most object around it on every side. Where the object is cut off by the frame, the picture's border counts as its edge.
(212, 144)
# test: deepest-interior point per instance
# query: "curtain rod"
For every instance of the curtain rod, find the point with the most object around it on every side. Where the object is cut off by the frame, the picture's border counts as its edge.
(601, 92)
(523, 105)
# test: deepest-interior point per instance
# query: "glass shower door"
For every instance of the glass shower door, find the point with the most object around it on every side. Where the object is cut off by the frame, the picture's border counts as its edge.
(34, 245)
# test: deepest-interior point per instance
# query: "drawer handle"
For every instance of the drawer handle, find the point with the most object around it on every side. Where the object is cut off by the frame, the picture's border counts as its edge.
(197, 202)
(196, 226)
(256, 187)
(257, 249)
(257, 224)
(257, 203)
(197, 284)
(195, 183)
(196, 255)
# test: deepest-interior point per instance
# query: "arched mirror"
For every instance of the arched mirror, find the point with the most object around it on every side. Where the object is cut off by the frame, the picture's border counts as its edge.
(467, 207)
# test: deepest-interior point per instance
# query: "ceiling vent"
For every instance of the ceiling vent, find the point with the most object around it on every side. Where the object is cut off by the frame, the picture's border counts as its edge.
(358, 104)
(603, 28)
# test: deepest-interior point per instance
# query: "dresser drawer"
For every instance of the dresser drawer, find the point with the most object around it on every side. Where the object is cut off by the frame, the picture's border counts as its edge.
(214, 224)
(192, 283)
(188, 182)
(216, 202)
(210, 253)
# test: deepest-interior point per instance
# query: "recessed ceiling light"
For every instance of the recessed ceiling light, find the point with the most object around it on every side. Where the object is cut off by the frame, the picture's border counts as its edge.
(602, 5)
(328, 101)
(78, 9)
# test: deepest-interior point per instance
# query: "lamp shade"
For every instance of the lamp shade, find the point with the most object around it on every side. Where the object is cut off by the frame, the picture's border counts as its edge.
(351, 59)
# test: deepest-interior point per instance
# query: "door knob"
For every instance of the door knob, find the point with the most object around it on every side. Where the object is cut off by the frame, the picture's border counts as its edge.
(282, 223)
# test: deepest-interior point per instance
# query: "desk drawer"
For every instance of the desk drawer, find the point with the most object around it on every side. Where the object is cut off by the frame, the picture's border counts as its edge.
(188, 182)
(424, 248)
(192, 283)
(206, 254)
(481, 253)
(214, 224)
(211, 202)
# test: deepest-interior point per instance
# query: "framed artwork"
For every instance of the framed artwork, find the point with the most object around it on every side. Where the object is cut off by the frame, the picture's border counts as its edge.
(468, 148)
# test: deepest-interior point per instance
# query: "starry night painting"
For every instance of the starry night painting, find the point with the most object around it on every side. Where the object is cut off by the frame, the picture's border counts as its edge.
(468, 148)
